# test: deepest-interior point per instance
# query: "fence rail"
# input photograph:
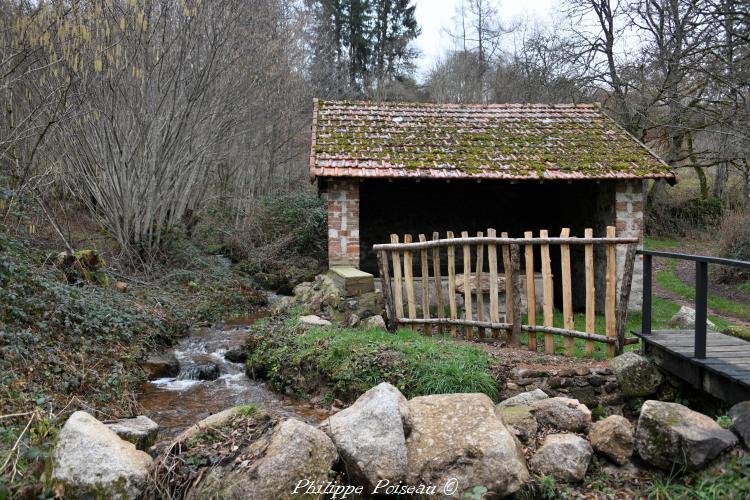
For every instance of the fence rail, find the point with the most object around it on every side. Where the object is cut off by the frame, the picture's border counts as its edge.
(399, 284)
(701, 290)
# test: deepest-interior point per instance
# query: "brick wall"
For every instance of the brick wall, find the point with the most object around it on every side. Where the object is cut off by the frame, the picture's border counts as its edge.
(629, 221)
(343, 222)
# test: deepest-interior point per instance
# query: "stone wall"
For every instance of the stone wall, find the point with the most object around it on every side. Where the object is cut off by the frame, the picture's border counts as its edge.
(629, 222)
(595, 386)
(343, 222)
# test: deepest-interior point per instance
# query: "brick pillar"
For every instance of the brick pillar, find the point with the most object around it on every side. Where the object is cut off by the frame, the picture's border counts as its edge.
(629, 221)
(343, 222)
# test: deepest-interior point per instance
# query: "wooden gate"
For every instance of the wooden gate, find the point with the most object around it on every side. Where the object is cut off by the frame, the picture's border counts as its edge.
(470, 285)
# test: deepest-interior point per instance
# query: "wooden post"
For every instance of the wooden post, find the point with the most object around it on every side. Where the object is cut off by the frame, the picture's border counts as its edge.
(567, 291)
(610, 302)
(425, 286)
(385, 279)
(622, 312)
(438, 281)
(452, 282)
(467, 286)
(494, 299)
(409, 279)
(508, 286)
(547, 294)
(530, 289)
(478, 281)
(515, 276)
(590, 291)
(398, 292)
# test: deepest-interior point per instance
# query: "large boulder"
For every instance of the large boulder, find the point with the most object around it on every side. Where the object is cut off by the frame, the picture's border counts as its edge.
(524, 399)
(294, 452)
(670, 434)
(520, 420)
(140, 430)
(636, 375)
(370, 435)
(563, 414)
(458, 438)
(91, 461)
(613, 438)
(684, 319)
(563, 456)
(373, 322)
(161, 365)
(740, 415)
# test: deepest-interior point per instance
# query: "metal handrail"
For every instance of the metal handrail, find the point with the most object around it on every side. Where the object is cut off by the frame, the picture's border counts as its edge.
(701, 290)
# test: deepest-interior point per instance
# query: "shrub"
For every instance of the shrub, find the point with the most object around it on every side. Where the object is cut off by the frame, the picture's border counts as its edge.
(283, 241)
(671, 217)
(734, 243)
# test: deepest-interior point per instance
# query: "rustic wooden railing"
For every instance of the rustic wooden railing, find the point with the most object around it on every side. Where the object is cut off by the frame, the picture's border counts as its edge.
(488, 323)
(701, 291)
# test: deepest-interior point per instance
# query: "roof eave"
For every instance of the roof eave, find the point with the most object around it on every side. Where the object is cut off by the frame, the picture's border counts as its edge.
(314, 128)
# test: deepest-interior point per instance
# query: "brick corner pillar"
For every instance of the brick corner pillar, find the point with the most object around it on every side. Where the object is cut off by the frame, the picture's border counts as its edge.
(343, 222)
(629, 196)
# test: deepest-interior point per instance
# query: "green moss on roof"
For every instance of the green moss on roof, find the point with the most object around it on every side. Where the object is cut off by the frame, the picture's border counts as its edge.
(520, 141)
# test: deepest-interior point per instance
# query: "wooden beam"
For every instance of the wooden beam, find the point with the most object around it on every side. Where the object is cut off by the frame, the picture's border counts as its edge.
(436, 271)
(610, 301)
(567, 293)
(452, 284)
(494, 297)
(467, 286)
(478, 275)
(409, 279)
(590, 290)
(548, 295)
(425, 286)
(398, 292)
(530, 290)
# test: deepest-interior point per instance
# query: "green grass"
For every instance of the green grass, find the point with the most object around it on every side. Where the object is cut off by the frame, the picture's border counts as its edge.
(732, 481)
(744, 288)
(350, 361)
(651, 243)
(668, 279)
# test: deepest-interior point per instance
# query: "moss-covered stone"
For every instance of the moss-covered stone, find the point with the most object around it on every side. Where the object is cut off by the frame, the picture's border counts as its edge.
(671, 436)
(636, 375)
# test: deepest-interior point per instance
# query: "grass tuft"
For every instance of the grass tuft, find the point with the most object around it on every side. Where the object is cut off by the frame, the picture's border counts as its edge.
(349, 361)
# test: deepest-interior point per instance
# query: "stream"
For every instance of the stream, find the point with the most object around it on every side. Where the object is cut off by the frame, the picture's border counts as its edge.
(177, 403)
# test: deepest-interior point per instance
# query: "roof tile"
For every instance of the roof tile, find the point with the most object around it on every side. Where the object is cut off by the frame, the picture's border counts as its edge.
(497, 141)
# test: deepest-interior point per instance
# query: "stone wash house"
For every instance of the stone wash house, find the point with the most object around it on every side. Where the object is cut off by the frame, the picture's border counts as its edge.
(418, 168)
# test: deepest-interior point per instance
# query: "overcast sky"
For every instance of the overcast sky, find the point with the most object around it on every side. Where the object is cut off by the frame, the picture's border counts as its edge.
(434, 15)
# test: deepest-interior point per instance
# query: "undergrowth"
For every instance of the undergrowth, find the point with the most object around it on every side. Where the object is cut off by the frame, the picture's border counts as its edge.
(730, 481)
(67, 347)
(347, 362)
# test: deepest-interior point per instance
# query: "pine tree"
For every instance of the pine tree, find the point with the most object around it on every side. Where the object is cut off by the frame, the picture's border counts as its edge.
(371, 37)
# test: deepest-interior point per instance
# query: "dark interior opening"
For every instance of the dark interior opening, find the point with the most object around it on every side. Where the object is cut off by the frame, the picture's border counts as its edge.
(408, 206)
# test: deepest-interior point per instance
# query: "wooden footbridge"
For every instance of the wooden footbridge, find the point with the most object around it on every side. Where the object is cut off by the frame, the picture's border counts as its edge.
(716, 363)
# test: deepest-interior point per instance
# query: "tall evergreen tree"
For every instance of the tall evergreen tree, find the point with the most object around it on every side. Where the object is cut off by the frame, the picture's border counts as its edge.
(371, 37)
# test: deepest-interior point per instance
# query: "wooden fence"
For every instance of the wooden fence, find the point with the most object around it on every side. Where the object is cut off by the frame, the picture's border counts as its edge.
(513, 252)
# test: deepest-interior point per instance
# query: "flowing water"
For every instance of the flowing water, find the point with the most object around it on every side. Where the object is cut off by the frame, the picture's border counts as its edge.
(176, 403)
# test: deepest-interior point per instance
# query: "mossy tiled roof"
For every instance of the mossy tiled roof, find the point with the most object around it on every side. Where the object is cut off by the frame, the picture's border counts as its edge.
(498, 141)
